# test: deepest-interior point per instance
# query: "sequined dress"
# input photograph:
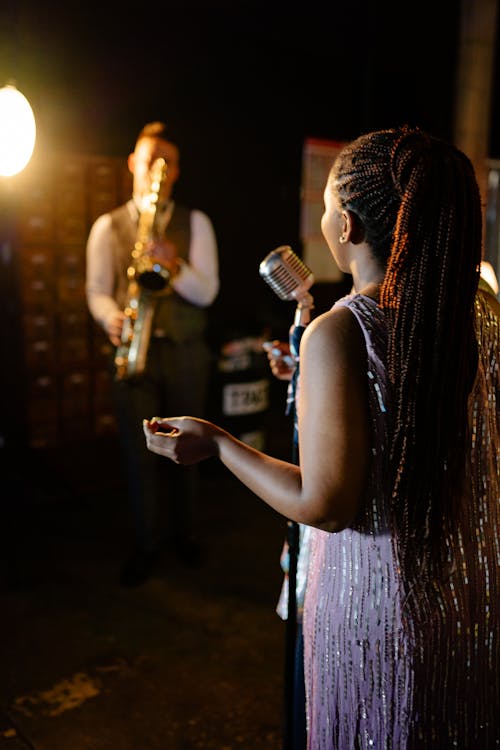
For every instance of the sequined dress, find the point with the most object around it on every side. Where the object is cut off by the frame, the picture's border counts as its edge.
(371, 681)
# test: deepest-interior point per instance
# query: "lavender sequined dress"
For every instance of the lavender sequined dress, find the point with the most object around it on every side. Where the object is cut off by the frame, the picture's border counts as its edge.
(371, 681)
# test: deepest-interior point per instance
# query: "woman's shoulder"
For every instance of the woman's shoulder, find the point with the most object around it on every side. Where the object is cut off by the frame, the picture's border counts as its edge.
(356, 301)
(335, 332)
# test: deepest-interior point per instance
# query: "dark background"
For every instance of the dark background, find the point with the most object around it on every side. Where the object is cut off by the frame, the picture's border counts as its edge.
(241, 84)
(200, 653)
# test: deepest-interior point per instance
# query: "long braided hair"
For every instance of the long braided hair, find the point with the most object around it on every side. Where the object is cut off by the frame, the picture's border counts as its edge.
(419, 202)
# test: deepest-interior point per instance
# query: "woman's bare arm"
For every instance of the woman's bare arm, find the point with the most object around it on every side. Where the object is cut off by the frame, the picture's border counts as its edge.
(327, 488)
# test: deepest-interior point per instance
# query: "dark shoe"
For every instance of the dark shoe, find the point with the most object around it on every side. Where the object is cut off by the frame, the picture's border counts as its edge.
(138, 568)
(189, 552)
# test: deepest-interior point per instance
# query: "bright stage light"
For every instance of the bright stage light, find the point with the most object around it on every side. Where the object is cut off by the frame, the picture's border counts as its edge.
(17, 131)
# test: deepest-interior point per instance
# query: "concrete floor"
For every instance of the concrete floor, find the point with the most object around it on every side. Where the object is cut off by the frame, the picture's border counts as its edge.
(192, 659)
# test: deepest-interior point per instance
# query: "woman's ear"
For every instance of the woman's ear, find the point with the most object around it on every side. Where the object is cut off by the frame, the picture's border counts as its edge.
(131, 162)
(352, 227)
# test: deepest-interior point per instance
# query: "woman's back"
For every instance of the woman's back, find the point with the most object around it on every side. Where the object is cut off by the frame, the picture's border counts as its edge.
(393, 664)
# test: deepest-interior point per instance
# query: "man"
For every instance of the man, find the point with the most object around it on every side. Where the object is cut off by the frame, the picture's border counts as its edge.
(177, 365)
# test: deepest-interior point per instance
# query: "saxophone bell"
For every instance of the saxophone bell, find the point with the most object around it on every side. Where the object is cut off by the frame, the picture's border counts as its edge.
(130, 356)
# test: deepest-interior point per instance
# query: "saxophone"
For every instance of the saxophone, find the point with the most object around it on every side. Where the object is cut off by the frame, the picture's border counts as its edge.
(147, 280)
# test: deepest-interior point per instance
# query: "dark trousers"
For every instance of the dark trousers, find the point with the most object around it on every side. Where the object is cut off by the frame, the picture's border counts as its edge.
(162, 494)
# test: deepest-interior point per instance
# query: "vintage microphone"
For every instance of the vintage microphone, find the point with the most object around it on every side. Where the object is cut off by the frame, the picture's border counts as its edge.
(291, 279)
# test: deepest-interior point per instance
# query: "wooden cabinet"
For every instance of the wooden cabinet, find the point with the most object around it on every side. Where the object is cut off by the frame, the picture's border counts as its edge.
(55, 381)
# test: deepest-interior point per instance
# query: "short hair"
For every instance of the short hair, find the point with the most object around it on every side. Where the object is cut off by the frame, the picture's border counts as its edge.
(157, 129)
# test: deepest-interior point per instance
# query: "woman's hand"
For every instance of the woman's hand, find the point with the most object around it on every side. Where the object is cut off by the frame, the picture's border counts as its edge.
(280, 359)
(184, 440)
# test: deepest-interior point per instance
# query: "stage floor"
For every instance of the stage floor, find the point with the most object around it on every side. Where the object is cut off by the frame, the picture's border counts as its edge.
(190, 659)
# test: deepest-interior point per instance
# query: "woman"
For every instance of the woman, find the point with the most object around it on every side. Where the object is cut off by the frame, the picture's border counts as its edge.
(399, 458)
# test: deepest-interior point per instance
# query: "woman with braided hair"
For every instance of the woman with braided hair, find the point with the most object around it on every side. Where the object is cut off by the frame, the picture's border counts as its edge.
(399, 451)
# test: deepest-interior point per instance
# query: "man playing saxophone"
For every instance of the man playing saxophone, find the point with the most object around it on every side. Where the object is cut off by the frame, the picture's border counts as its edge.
(176, 369)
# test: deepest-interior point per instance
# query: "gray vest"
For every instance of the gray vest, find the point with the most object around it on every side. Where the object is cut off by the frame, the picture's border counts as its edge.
(178, 319)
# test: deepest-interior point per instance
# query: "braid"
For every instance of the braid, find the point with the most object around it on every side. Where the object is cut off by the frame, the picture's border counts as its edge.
(420, 205)
(360, 176)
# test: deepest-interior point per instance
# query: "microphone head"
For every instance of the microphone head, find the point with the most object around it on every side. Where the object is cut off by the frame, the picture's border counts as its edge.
(286, 273)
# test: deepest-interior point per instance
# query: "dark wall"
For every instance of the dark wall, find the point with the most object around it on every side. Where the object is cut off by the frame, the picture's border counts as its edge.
(242, 84)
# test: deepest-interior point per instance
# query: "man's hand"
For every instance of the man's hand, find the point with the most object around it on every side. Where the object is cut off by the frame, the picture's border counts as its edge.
(114, 325)
(165, 252)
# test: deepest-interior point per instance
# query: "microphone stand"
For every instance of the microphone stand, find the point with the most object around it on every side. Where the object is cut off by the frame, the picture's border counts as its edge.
(301, 319)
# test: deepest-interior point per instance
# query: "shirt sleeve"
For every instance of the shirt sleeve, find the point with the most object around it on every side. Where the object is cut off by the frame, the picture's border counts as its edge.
(99, 283)
(198, 280)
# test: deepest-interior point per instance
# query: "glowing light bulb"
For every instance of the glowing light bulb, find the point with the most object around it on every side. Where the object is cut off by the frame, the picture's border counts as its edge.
(17, 131)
